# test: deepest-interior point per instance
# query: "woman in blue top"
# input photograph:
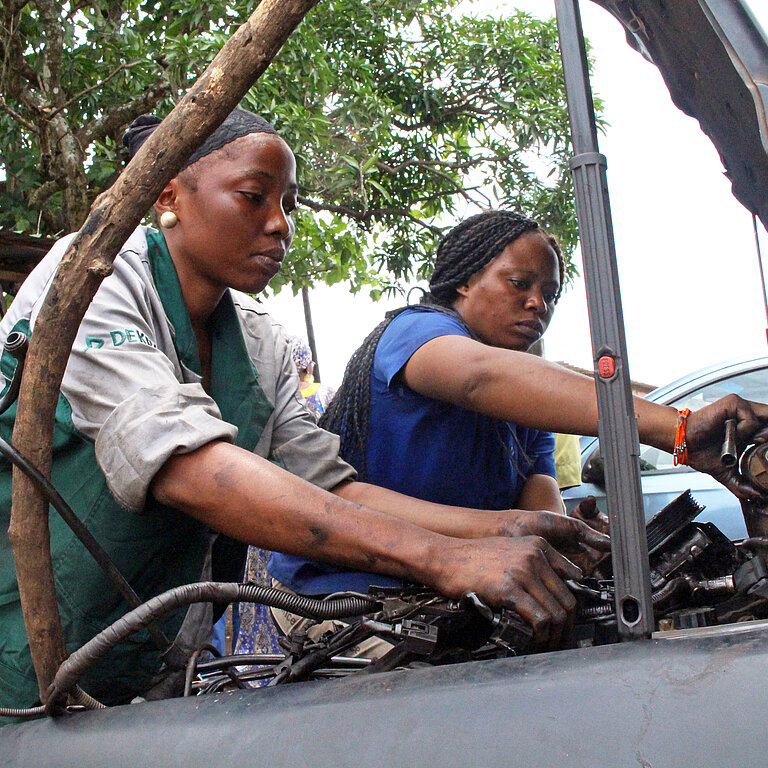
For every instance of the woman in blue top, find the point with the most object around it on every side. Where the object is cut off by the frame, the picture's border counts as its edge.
(442, 402)
(496, 281)
(404, 414)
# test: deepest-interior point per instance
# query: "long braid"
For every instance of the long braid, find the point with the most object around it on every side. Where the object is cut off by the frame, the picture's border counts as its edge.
(470, 245)
(348, 414)
(463, 252)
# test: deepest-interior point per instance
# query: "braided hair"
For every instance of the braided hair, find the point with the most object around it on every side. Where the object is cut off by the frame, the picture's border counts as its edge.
(462, 253)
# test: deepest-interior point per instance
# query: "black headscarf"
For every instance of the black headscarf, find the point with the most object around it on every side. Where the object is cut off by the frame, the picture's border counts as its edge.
(238, 123)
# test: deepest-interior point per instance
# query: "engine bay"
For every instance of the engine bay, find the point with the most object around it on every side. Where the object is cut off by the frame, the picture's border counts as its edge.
(699, 578)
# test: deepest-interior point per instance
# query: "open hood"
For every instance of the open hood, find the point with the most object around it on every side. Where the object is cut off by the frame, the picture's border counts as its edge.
(713, 57)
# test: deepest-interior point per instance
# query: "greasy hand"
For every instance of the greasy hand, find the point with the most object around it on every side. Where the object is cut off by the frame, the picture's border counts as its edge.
(582, 540)
(705, 432)
(523, 573)
(588, 511)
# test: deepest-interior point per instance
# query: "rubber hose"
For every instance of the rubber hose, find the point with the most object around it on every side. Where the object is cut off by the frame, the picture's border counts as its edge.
(668, 591)
(84, 699)
(78, 695)
(659, 596)
(31, 712)
(597, 611)
(82, 659)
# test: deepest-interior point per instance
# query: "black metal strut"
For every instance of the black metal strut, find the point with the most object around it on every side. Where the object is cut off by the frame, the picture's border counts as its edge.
(619, 441)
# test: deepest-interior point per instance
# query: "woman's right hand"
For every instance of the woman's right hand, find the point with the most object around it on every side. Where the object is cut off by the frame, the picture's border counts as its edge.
(524, 573)
(705, 431)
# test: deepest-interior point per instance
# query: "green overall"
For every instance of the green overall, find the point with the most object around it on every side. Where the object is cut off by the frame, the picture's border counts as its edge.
(156, 549)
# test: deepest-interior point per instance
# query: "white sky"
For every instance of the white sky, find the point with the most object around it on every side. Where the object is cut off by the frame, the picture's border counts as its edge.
(688, 267)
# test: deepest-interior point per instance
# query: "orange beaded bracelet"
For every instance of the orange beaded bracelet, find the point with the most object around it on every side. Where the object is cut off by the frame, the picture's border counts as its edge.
(680, 451)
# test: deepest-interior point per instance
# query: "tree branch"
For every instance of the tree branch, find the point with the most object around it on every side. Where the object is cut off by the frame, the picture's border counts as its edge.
(443, 117)
(33, 102)
(20, 119)
(53, 51)
(96, 130)
(73, 9)
(446, 113)
(451, 165)
(12, 53)
(95, 87)
(367, 216)
(39, 195)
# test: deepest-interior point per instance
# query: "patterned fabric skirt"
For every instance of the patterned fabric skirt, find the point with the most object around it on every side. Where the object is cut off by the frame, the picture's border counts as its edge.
(258, 633)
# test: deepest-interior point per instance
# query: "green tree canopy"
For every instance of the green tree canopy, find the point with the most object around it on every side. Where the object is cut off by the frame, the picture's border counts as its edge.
(403, 116)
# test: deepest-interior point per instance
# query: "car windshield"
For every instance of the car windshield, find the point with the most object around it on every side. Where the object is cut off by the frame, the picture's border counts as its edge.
(752, 385)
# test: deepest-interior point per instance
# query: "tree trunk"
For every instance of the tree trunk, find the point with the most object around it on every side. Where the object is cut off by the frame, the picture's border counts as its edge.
(87, 261)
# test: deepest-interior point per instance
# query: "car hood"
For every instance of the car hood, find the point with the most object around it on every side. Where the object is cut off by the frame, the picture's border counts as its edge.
(713, 57)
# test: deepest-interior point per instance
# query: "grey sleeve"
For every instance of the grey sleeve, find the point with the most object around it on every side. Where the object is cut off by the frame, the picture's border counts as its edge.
(127, 390)
(298, 444)
(147, 428)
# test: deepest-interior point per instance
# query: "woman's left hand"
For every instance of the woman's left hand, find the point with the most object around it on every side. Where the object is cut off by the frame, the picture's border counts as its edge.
(582, 543)
(705, 432)
(587, 511)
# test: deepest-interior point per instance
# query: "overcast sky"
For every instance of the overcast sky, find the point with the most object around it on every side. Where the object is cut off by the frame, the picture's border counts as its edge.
(688, 266)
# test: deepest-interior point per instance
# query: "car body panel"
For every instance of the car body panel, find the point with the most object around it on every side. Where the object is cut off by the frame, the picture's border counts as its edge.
(714, 62)
(695, 698)
(664, 702)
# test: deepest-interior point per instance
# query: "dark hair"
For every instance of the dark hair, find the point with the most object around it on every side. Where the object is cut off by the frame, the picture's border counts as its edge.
(462, 253)
(239, 122)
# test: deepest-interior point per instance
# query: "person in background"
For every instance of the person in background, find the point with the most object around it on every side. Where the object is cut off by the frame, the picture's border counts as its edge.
(567, 461)
(316, 395)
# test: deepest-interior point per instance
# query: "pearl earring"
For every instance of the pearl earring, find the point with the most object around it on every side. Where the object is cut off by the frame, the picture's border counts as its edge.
(168, 219)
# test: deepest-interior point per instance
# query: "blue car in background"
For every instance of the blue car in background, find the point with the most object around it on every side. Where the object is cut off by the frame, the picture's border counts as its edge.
(661, 480)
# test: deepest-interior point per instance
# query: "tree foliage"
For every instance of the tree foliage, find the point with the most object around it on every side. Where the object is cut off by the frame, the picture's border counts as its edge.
(403, 115)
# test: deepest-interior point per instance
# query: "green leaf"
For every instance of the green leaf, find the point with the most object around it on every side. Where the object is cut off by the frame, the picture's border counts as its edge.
(456, 108)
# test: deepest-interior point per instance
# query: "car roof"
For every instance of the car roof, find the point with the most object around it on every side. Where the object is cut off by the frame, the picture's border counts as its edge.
(707, 375)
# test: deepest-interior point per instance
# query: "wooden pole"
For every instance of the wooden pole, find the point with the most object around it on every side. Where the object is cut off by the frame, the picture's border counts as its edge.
(88, 260)
(310, 330)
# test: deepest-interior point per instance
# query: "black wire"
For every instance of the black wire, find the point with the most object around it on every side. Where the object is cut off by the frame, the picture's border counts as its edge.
(192, 668)
(55, 499)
